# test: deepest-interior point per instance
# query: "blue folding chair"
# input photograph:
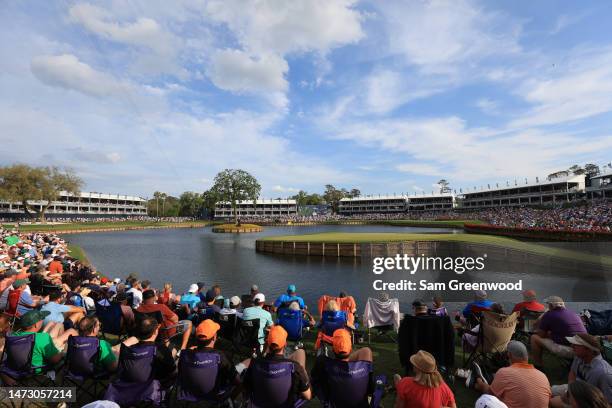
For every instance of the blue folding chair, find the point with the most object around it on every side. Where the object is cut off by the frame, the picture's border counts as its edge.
(293, 322)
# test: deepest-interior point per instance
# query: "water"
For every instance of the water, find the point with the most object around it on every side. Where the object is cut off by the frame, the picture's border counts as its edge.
(185, 256)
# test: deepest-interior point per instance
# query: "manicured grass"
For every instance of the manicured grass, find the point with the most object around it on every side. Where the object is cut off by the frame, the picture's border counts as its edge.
(97, 225)
(78, 253)
(376, 237)
(237, 228)
(430, 223)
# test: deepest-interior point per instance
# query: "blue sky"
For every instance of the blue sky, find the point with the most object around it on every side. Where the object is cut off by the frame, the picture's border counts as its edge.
(387, 97)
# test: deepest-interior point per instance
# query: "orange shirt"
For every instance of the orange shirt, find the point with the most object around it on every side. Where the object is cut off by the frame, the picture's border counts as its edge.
(56, 267)
(521, 386)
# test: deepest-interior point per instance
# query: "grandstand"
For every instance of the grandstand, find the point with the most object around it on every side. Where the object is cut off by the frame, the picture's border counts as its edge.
(261, 208)
(600, 186)
(395, 204)
(83, 205)
(547, 192)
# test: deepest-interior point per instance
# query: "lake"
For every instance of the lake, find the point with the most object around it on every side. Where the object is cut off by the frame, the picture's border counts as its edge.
(184, 256)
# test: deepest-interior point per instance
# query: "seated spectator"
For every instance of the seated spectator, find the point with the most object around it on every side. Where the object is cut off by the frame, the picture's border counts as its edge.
(519, 386)
(324, 378)
(286, 298)
(191, 299)
(419, 308)
(170, 319)
(136, 292)
(308, 320)
(480, 303)
(584, 395)
(231, 306)
(165, 297)
(127, 313)
(529, 303)
(164, 367)
(469, 340)
(426, 389)
(59, 312)
(27, 301)
(257, 312)
(438, 308)
(275, 353)
(217, 291)
(106, 359)
(589, 366)
(555, 326)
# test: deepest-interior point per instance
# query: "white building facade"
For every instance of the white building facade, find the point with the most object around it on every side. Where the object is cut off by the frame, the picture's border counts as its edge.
(258, 209)
(396, 204)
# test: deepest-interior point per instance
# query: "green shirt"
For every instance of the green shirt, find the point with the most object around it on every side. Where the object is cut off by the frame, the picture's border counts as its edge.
(12, 240)
(106, 356)
(44, 349)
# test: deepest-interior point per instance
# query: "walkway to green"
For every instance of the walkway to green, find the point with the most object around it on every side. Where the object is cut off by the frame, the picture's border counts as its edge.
(382, 237)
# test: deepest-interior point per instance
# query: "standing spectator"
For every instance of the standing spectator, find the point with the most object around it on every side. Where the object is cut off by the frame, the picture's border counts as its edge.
(555, 326)
(519, 386)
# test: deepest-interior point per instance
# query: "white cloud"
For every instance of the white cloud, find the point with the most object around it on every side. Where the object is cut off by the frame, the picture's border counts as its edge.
(419, 168)
(66, 71)
(236, 71)
(488, 106)
(282, 189)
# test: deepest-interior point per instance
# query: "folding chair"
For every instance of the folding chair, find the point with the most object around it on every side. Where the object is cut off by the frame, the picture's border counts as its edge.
(495, 333)
(10, 313)
(246, 337)
(526, 325)
(17, 369)
(382, 315)
(165, 332)
(135, 382)
(271, 385)
(330, 322)
(293, 322)
(110, 321)
(197, 379)
(80, 368)
(228, 325)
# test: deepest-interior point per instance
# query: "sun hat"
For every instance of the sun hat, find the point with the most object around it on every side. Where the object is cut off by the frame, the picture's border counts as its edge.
(32, 317)
(342, 342)
(207, 329)
(424, 361)
(234, 300)
(277, 336)
(584, 339)
(193, 288)
(291, 288)
(260, 298)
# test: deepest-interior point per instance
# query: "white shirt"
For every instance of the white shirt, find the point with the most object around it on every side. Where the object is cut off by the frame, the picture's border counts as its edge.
(137, 297)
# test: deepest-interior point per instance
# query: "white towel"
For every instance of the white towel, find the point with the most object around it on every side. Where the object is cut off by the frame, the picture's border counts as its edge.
(381, 313)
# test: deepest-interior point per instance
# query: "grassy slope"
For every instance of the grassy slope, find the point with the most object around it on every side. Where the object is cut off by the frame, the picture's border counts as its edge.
(96, 225)
(348, 237)
(78, 253)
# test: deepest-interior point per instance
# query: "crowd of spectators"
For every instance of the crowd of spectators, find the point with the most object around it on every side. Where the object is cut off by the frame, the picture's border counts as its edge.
(61, 303)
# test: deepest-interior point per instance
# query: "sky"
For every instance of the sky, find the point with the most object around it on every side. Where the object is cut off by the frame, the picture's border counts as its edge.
(384, 96)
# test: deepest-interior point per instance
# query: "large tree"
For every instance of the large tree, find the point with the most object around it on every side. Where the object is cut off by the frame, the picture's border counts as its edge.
(22, 183)
(235, 185)
(333, 196)
(444, 186)
(190, 204)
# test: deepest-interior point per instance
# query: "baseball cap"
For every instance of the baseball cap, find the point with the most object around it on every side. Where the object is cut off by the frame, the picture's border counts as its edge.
(529, 295)
(210, 295)
(193, 288)
(480, 294)
(254, 288)
(555, 301)
(104, 280)
(20, 282)
(234, 300)
(418, 303)
(117, 280)
(342, 342)
(489, 401)
(291, 288)
(32, 317)
(277, 336)
(586, 340)
(260, 297)
(207, 329)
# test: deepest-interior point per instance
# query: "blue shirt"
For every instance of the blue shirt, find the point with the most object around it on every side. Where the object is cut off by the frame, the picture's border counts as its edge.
(485, 304)
(190, 299)
(57, 312)
(265, 319)
(285, 298)
(24, 298)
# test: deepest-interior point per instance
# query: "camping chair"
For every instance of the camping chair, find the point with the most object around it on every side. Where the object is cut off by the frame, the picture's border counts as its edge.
(330, 322)
(293, 322)
(434, 334)
(202, 314)
(110, 321)
(80, 368)
(246, 337)
(348, 383)
(271, 385)
(10, 313)
(197, 378)
(495, 333)
(526, 325)
(166, 333)
(346, 304)
(382, 315)
(135, 382)
(228, 325)
(17, 369)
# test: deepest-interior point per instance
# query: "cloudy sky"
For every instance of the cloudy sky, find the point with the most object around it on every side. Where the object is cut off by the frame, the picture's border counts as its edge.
(138, 95)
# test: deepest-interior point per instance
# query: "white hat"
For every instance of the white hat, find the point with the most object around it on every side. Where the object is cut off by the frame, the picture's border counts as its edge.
(193, 288)
(489, 401)
(235, 300)
(117, 280)
(260, 297)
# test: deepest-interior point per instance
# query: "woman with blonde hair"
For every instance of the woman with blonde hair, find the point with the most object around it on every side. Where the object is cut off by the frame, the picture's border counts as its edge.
(426, 389)
(332, 306)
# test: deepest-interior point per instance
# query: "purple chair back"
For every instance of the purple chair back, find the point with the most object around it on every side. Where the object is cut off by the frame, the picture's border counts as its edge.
(293, 322)
(136, 363)
(197, 375)
(271, 384)
(347, 383)
(81, 356)
(18, 351)
(332, 321)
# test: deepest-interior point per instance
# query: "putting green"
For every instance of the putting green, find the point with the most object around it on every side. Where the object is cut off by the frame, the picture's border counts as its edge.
(382, 237)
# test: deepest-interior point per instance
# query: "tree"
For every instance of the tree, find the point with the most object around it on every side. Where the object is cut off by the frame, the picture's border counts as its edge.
(333, 196)
(354, 193)
(591, 169)
(209, 199)
(22, 183)
(300, 198)
(234, 185)
(444, 186)
(576, 169)
(190, 204)
(558, 174)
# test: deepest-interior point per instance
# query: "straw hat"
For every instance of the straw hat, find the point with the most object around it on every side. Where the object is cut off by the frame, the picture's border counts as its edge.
(424, 361)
